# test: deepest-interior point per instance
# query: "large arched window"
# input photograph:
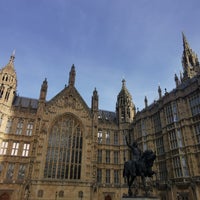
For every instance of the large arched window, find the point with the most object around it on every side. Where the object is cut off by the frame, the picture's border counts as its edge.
(64, 151)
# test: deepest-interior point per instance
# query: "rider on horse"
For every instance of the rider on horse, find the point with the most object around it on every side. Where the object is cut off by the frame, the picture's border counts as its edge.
(140, 165)
(136, 152)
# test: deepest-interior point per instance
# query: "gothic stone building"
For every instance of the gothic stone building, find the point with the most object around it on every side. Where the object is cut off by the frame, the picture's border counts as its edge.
(63, 149)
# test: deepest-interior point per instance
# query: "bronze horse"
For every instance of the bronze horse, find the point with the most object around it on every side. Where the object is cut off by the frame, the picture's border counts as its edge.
(142, 168)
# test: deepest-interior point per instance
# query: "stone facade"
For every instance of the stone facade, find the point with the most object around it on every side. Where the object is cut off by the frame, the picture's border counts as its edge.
(63, 149)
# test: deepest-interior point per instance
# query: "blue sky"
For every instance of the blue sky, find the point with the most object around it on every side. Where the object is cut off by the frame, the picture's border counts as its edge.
(106, 40)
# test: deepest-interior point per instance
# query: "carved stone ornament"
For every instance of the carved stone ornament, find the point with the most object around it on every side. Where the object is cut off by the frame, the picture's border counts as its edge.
(67, 99)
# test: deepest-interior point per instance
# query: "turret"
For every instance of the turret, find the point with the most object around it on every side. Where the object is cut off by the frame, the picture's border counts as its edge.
(95, 101)
(8, 82)
(125, 108)
(72, 75)
(43, 90)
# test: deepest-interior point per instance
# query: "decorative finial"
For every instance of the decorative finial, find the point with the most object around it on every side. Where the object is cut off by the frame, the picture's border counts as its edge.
(159, 92)
(95, 91)
(72, 75)
(12, 57)
(13, 53)
(176, 80)
(146, 101)
(123, 83)
(185, 43)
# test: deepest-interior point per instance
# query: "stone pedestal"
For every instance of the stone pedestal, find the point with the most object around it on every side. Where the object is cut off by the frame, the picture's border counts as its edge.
(140, 198)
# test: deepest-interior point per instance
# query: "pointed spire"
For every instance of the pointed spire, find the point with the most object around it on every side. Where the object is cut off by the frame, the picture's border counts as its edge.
(43, 90)
(45, 82)
(9, 68)
(176, 80)
(181, 76)
(159, 92)
(124, 90)
(12, 57)
(125, 108)
(190, 61)
(185, 43)
(123, 83)
(95, 100)
(146, 102)
(8, 78)
(95, 93)
(72, 75)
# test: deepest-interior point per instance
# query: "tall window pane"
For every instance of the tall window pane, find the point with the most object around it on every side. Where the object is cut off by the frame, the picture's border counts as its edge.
(176, 140)
(21, 172)
(160, 145)
(107, 137)
(197, 132)
(8, 126)
(4, 147)
(116, 157)
(184, 166)
(10, 171)
(194, 102)
(25, 149)
(116, 138)
(29, 128)
(99, 156)
(175, 111)
(177, 167)
(99, 136)
(1, 168)
(179, 138)
(107, 156)
(19, 127)
(99, 175)
(64, 152)
(116, 176)
(162, 170)
(168, 114)
(107, 175)
(157, 122)
(173, 140)
(15, 149)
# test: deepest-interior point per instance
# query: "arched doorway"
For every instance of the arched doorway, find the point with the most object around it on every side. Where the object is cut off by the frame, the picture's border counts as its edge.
(4, 196)
(108, 197)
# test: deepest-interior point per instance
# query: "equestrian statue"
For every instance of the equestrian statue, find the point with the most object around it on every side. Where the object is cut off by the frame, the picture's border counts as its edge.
(140, 165)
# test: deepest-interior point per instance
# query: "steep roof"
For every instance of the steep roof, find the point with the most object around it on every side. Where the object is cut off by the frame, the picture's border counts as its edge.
(25, 102)
(107, 115)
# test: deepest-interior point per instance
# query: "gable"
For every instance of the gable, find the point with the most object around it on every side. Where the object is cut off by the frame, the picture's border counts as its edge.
(68, 99)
